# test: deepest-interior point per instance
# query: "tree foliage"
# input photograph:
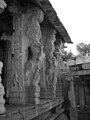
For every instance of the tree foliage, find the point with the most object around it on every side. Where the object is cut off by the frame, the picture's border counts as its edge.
(67, 55)
(83, 49)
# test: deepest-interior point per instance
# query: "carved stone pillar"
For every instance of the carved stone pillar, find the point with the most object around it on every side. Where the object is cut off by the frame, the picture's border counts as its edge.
(16, 93)
(48, 38)
(55, 77)
(26, 52)
(57, 53)
(2, 101)
(59, 84)
(32, 54)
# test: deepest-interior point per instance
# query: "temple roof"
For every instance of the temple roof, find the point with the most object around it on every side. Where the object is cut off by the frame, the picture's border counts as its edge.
(52, 16)
(49, 11)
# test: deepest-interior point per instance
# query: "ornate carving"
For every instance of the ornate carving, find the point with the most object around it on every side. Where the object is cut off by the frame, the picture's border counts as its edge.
(50, 74)
(50, 58)
(57, 54)
(3, 5)
(16, 82)
(34, 61)
(15, 8)
(2, 101)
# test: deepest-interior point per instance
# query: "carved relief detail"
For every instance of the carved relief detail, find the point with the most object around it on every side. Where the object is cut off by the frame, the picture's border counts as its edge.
(50, 71)
(2, 101)
(57, 53)
(33, 51)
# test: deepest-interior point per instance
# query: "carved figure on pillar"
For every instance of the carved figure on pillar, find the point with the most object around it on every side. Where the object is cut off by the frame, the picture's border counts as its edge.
(50, 62)
(33, 65)
(57, 53)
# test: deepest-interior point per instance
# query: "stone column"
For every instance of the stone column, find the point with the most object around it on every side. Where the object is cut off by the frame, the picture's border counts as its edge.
(26, 55)
(71, 93)
(55, 78)
(48, 38)
(81, 97)
(16, 92)
(32, 53)
(57, 53)
(2, 101)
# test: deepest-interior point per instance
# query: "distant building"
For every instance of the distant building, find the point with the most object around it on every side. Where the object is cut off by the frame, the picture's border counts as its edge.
(80, 71)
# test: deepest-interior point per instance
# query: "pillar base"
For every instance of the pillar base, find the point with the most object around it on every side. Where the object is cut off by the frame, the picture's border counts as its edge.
(32, 94)
(2, 101)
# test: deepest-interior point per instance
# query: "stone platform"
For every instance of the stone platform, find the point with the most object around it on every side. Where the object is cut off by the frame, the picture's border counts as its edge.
(29, 112)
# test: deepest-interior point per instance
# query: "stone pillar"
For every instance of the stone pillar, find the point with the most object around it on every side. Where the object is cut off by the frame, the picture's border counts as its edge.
(73, 109)
(32, 53)
(2, 101)
(81, 97)
(57, 53)
(48, 38)
(55, 77)
(16, 92)
(26, 55)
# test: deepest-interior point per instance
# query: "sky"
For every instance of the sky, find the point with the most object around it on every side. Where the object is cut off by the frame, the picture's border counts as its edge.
(75, 16)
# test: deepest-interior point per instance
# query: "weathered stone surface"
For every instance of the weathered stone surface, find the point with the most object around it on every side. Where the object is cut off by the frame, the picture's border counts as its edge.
(33, 56)
(53, 62)
(2, 101)
(3, 5)
(17, 83)
(43, 111)
(35, 64)
(48, 38)
(26, 56)
(59, 67)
